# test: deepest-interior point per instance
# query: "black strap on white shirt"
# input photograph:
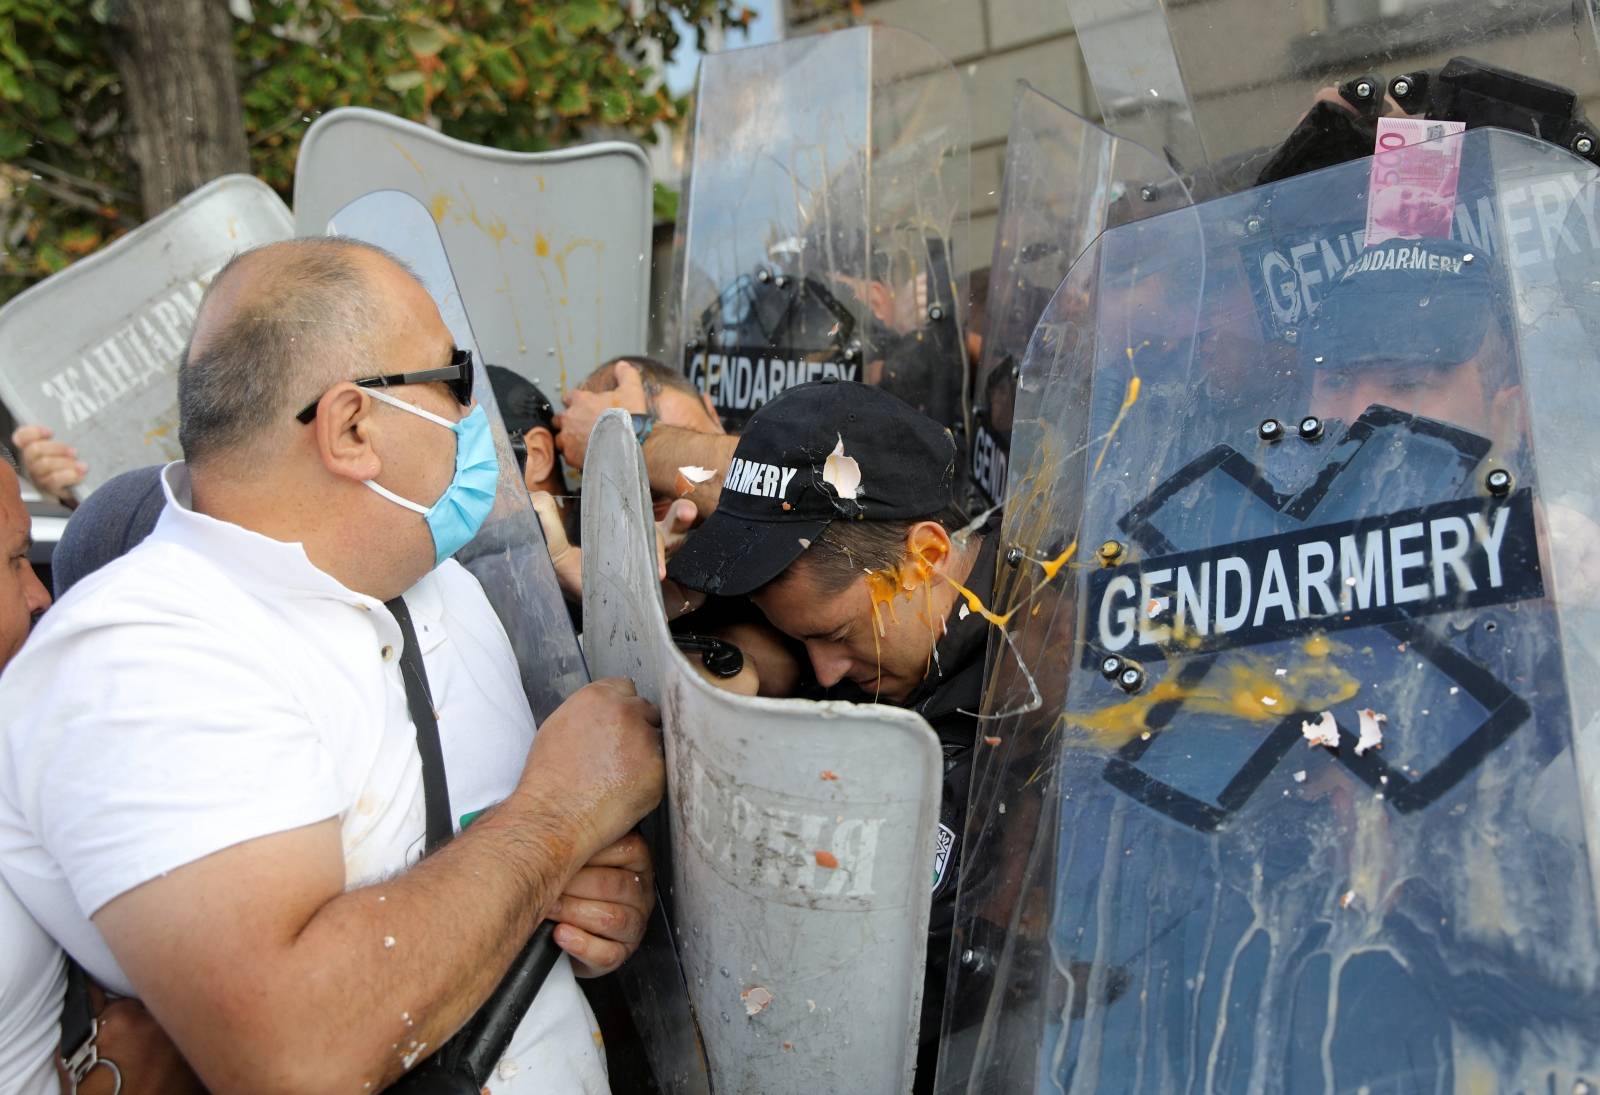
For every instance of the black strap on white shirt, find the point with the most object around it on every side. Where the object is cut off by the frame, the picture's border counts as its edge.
(419, 698)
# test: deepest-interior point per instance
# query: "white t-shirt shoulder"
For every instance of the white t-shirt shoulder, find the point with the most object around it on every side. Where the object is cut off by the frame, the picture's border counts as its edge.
(212, 687)
(32, 984)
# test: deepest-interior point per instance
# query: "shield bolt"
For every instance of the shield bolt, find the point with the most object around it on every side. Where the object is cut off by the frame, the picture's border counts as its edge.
(1149, 193)
(781, 281)
(1363, 90)
(693, 345)
(1110, 552)
(1498, 482)
(935, 312)
(1110, 666)
(1252, 224)
(1131, 679)
(1584, 144)
(1402, 88)
(763, 275)
(1270, 429)
(1291, 335)
(1013, 557)
(852, 352)
(1311, 428)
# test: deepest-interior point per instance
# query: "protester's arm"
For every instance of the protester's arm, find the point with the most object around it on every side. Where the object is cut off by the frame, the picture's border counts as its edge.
(669, 448)
(52, 465)
(271, 977)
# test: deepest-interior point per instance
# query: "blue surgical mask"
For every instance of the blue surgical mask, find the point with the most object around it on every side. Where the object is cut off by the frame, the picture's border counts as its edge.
(461, 510)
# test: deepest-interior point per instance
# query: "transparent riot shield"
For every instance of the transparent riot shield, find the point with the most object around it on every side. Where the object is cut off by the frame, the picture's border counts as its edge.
(508, 556)
(802, 834)
(1220, 85)
(1066, 180)
(823, 223)
(551, 248)
(93, 351)
(1309, 802)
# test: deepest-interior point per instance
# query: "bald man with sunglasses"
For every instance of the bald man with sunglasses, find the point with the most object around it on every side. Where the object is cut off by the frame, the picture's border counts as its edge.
(210, 785)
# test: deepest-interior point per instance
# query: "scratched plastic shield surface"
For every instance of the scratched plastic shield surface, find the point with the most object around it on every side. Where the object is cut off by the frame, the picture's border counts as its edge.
(823, 229)
(508, 556)
(1290, 771)
(93, 351)
(801, 901)
(1218, 85)
(1066, 180)
(551, 249)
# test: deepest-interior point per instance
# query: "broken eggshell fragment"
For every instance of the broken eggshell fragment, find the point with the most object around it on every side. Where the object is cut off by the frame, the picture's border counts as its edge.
(1322, 732)
(1371, 730)
(842, 473)
(756, 998)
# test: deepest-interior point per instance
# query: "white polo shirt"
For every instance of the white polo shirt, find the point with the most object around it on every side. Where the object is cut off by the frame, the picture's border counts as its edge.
(212, 686)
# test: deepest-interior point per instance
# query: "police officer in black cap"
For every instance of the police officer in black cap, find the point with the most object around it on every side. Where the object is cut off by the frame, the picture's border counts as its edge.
(838, 519)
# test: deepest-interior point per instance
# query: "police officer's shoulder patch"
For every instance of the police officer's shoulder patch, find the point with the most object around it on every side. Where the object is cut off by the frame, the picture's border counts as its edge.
(944, 846)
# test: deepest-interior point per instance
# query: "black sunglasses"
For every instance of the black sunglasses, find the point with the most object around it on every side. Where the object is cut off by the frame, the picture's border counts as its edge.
(457, 376)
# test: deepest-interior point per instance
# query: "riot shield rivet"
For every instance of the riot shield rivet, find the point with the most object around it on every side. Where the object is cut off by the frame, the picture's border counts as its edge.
(781, 281)
(763, 275)
(967, 956)
(852, 352)
(1584, 145)
(1110, 666)
(1498, 482)
(1468, 257)
(1363, 90)
(1270, 429)
(1131, 679)
(1402, 88)
(1110, 552)
(935, 312)
(1311, 428)
(1252, 224)
(693, 345)
(1291, 335)
(1013, 557)
(1149, 193)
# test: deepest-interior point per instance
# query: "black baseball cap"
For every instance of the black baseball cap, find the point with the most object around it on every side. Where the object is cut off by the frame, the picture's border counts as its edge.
(1425, 300)
(522, 405)
(777, 496)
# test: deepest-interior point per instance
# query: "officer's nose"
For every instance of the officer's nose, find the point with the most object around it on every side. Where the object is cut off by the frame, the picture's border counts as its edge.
(830, 667)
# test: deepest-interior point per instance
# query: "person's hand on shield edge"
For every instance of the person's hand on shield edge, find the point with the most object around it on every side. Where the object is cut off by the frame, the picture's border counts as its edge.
(601, 915)
(53, 466)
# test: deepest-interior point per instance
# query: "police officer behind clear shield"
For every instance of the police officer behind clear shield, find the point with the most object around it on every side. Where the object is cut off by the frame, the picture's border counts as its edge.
(838, 520)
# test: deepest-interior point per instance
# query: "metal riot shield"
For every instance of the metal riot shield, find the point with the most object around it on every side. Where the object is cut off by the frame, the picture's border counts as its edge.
(1066, 180)
(93, 351)
(1223, 87)
(1309, 804)
(551, 248)
(823, 222)
(508, 556)
(802, 834)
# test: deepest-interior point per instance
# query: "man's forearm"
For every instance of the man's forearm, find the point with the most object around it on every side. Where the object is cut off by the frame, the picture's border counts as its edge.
(669, 448)
(373, 980)
(424, 950)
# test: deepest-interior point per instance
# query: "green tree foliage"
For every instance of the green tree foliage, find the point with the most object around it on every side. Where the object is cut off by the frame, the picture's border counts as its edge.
(525, 75)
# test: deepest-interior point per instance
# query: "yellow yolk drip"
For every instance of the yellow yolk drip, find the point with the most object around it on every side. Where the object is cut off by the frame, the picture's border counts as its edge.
(1053, 566)
(1242, 686)
(1128, 400)
(976, 604)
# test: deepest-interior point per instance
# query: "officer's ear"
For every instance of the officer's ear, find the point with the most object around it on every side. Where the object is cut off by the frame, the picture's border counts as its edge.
(928, 551)
(541, 463)
(344, 430)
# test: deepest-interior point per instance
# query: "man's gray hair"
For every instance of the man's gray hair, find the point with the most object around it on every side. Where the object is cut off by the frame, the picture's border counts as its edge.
(309, 326)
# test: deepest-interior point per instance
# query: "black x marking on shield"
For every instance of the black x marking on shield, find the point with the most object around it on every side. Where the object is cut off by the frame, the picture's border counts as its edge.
(1406, 792)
